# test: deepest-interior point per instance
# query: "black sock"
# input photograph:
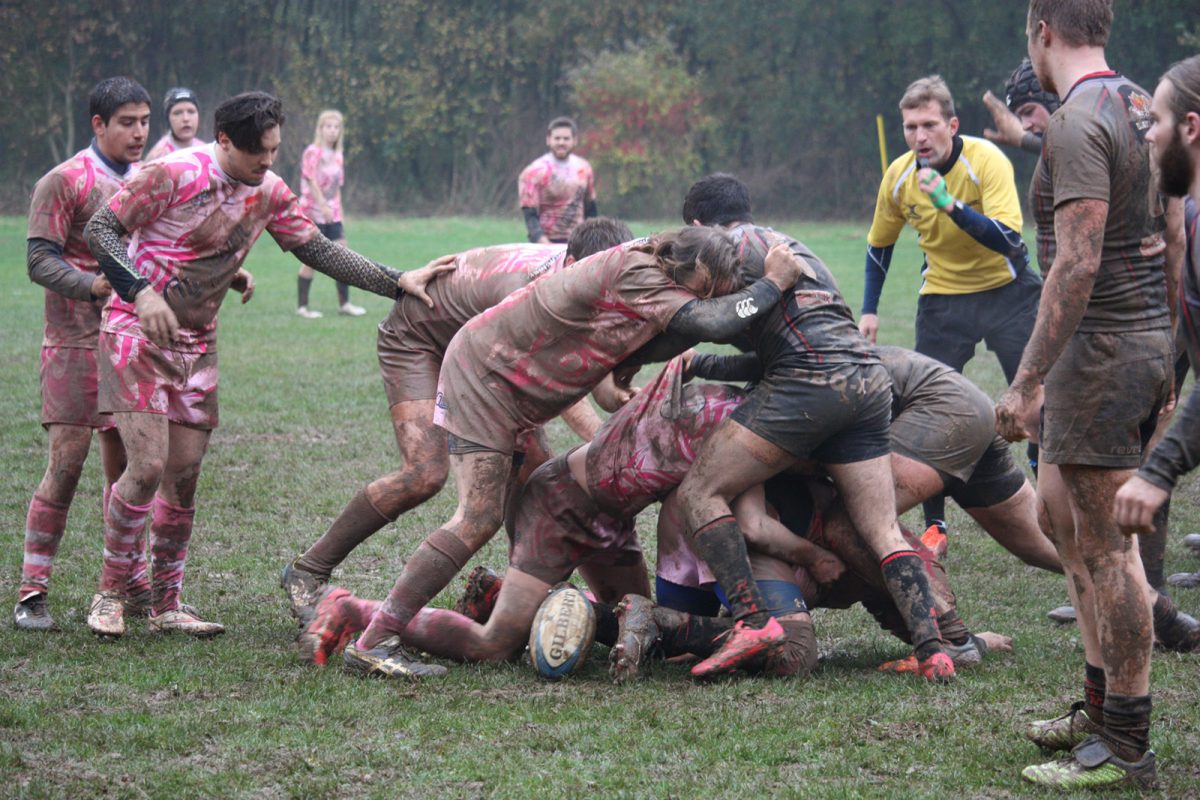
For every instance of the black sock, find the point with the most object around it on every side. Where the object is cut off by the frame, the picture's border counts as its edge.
(1095, 685)
(935, 511)
(907, 583)
(721, 545)
(1127, 725)
(302, 287)
(343, 291)
(606, 623)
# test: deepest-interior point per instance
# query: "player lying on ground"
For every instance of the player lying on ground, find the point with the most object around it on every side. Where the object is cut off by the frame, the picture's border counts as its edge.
(411, 344)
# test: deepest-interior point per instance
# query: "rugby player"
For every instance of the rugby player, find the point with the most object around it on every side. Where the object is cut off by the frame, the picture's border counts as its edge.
(824, 396)
(57, 258)
(1020, 118)
(535, 354)
(412, 341)
(181, 110)
(1102, 352)
(557, 190)
(195, 214)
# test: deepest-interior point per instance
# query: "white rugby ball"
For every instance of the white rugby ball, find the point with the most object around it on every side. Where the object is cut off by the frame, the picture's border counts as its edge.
(562, 634)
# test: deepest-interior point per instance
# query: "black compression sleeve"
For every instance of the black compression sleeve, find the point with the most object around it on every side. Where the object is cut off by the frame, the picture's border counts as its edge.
(721, 318)
(533, 225)
(589, 209)
(345, 265)
(44, 260)
(1031, 143)
(730, 368)
(663, 347)
(105, 237)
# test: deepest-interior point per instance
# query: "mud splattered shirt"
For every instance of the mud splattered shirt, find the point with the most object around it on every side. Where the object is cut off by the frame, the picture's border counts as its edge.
(559, 190)
(323, 166)
(167, 145)
(1096, 149)
(191, 228)
(63, 201)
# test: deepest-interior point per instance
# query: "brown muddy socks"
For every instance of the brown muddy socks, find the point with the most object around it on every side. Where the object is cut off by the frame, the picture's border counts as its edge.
(359, 520)
(906, 581)
(1127, 725)
(721, 545)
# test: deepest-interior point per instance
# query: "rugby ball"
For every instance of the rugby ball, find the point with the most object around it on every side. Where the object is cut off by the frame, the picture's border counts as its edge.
(562, 634)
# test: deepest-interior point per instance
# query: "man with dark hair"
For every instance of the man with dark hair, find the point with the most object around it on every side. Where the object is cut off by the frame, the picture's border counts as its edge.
(959, 194)
(412, 341)
(1102, 353)
(824, 396)
(57, 258)
(557, 191)
(181, 112)
(196, 214)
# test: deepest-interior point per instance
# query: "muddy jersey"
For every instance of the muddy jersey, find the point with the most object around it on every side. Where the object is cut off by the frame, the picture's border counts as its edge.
(559, 190)
(63, 201)
(482, 278)
(323, 166)
(191, 228)
(548, 344)
(811, 326)
(1041, 202)
(1096, 149)
(1189, 294)
(167, 145)
(643, 451)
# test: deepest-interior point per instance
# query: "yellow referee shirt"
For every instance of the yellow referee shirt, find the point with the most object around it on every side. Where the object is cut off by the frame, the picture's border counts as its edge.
(982, 178)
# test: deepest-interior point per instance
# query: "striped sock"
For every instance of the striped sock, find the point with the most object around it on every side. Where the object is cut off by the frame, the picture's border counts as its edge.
(44, 527)
(170, 532)
(123, 528)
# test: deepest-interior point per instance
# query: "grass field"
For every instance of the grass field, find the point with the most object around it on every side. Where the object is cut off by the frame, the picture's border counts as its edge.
(304, 424)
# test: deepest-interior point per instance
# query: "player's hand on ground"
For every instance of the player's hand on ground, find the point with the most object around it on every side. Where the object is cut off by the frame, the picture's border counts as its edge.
(868, 326)
(1008, 128)
(931, 182)
(1018, 410)
(1135, 505)
(243, 284)
(101, 288)
(158, 320)
(783, 267)
(414, 282)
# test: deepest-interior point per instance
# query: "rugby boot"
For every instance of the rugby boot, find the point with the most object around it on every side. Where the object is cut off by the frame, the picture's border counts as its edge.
(32, 614)
(938, 668)
(1181, 633)
(348, 309)
(307, 313)
(329, 630)
(106, 615)
(180, 621)
(303, 589)
(1063, 615)
(967, 654)
(1184, 580)
(1063, 733)
(637, 637)
(935, 540)
(388, 660)
(1192, 542)
(1093, 765)
(140, 604)
(479, 598)
(743, 647)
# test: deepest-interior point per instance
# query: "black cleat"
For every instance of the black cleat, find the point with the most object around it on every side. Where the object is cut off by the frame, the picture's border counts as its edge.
(32, 614)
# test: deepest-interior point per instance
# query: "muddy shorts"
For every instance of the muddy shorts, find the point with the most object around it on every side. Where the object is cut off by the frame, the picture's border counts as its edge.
(408, 363)
(1103, 396)
(70, 382)
(556, 527)
(837, 415)
(995, 479)
(949, 432)
(137, 375)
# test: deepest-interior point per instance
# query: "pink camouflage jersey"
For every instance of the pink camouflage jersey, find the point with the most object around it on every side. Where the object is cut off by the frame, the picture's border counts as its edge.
(325, 167)
(63, 201)
(191, 228)
(559, 191)
(166, 145)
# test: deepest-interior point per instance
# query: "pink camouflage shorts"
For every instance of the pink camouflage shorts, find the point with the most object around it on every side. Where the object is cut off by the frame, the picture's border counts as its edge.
(137, 375)
(69, 386)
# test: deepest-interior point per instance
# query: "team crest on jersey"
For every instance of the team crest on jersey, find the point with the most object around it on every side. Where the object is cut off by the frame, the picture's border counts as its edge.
(1137, 104)
(911, 214)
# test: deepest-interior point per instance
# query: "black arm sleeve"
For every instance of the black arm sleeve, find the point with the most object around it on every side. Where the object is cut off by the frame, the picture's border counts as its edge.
(533, 225)
(730, 368)
(663, 347)
(1031, 143)
(991, 233)
(589, 209)
(44, 260)
(722, 318)
(345, 265)
(1179, 451)
(105, 234)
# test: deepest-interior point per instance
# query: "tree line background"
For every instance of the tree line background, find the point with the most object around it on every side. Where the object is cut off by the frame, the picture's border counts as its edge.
(446, 100)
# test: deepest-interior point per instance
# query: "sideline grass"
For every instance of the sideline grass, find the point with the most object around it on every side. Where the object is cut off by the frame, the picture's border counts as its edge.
(304, 424)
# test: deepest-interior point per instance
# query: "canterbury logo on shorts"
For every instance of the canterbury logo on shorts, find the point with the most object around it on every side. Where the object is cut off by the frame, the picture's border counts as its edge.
(746, 308)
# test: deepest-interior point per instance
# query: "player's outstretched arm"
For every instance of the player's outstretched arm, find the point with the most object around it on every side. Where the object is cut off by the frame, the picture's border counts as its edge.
(105, 237)
(1008, 130)
(345, 265)
(47, 267)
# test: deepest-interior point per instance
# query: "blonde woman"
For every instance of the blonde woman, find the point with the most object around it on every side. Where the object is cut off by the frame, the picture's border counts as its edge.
(321, 177)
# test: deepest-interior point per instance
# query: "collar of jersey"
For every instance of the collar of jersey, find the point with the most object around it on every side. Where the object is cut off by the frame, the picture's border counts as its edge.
(1091, 76)
(117, 169)
(955, 151)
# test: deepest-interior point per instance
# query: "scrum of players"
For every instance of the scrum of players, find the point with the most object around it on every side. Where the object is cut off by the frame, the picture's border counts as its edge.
(779, 472)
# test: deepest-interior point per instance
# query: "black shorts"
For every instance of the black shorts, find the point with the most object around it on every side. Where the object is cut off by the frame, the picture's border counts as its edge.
(332, 230)
(837, 415)
(996, 478)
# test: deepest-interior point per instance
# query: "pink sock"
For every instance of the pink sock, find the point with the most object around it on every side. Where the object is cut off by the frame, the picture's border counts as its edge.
(44, 527)
(170, 531)
(359, 611)
(123, 525)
